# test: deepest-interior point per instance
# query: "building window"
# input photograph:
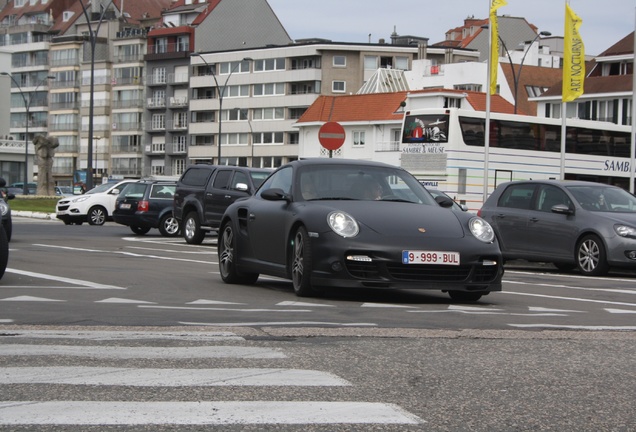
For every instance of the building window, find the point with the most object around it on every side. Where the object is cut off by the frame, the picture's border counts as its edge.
(338, 86)
(402, 63)
(370, 62)
(269, 113)
(339, 61)
(271, 64)
(178, 166)
(358, 138)
(269, 89)
(242, 66)
(158, 121)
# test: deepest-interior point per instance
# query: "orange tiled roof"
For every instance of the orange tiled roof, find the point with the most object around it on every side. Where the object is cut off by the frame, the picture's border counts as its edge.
(351, 108)
(385, 106)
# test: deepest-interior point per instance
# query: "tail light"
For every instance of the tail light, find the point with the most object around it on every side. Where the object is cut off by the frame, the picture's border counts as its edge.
(143, 206)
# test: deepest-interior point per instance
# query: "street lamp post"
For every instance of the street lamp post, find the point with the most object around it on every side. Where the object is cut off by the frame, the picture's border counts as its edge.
(221, 92)
(251, 140)
(92, 36)
(517, 74)
(27, 106)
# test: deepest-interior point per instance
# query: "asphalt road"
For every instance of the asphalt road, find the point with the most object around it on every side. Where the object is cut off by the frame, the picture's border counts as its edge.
(100, 328)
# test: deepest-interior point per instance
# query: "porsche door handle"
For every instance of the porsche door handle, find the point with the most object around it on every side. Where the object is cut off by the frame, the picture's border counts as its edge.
(251, 217)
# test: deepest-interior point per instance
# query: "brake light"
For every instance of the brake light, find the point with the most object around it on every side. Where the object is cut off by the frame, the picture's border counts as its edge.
(143, 206)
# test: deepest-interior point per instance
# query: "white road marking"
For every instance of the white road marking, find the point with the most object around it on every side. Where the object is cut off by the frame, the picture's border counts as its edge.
(467, 312)
(205, 251)
(123, 300)
(112, 352)
(384, 305)
(224, 309)
(87, 284)
(610, 290)
(117, 252)
(297, 303)
(6, 321)
(575, 327)
(620, 311)
(30, 299)
(274, 323)
(113, 376)
(128, 335)
(472, 308)
(201, 413)
(577, 299)
(571, 276)
(202, 302)
(543, 309)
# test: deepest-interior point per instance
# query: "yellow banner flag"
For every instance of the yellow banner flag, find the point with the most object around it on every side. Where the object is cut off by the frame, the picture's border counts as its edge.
(494, 43)
(573, 57)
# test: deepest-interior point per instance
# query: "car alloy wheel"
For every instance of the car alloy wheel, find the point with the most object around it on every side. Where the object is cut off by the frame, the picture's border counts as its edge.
(169, 226)
(227, 264)
(301, 264)
(591, 257)
(192, 231)
(97, 215)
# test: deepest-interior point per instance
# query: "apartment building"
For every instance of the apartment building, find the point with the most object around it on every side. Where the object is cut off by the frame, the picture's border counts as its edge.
(608, 92)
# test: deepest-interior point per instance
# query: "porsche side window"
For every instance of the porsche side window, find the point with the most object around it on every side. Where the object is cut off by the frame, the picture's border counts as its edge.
(281, 179)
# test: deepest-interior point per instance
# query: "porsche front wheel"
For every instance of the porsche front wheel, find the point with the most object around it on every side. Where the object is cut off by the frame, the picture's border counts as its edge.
(227, 258)
(301, 264)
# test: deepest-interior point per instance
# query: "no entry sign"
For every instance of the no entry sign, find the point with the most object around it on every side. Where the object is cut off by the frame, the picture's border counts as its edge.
(331, 135)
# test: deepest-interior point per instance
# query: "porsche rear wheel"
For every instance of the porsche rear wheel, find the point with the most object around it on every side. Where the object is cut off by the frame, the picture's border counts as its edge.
(227, 256)
(301, 264)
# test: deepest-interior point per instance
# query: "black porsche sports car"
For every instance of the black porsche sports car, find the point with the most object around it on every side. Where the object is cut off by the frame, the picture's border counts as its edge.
(356, 224)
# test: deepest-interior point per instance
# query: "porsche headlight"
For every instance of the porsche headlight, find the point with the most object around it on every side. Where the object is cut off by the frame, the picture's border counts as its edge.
(4, 207)
(481, 229)
(342, 224)
(625, 231)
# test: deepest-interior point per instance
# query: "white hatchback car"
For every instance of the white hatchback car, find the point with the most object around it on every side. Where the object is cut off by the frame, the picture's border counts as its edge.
(95, 206)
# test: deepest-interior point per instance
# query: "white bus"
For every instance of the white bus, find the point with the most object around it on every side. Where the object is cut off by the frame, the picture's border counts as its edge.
(444, 148)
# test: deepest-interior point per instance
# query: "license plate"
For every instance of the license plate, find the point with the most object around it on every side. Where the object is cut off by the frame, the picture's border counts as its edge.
(124, 206)
(430, 257)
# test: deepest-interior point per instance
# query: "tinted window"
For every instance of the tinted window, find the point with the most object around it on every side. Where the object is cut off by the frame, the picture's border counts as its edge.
(258, 177)
(550, 196)
(162, 191)
(517, 196)
(281, 179)
(196, 176)
(133, 190)
(239, 177)
(222, 179)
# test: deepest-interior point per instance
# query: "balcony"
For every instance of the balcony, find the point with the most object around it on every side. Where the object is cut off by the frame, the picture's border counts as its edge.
(157, 102)
(387, 146)
(128, 103)
(169, 51)
(176, 102)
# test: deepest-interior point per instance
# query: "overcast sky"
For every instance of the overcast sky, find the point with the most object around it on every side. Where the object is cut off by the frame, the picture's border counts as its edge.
(605, 22)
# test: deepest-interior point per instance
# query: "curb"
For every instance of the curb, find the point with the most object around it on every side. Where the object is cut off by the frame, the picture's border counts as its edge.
(35, 215)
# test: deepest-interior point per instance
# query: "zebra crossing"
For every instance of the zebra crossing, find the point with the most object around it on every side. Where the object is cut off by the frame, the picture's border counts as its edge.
(73, 378)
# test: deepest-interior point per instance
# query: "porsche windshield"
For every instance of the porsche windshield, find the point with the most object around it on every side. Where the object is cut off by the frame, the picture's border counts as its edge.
(356, 182)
